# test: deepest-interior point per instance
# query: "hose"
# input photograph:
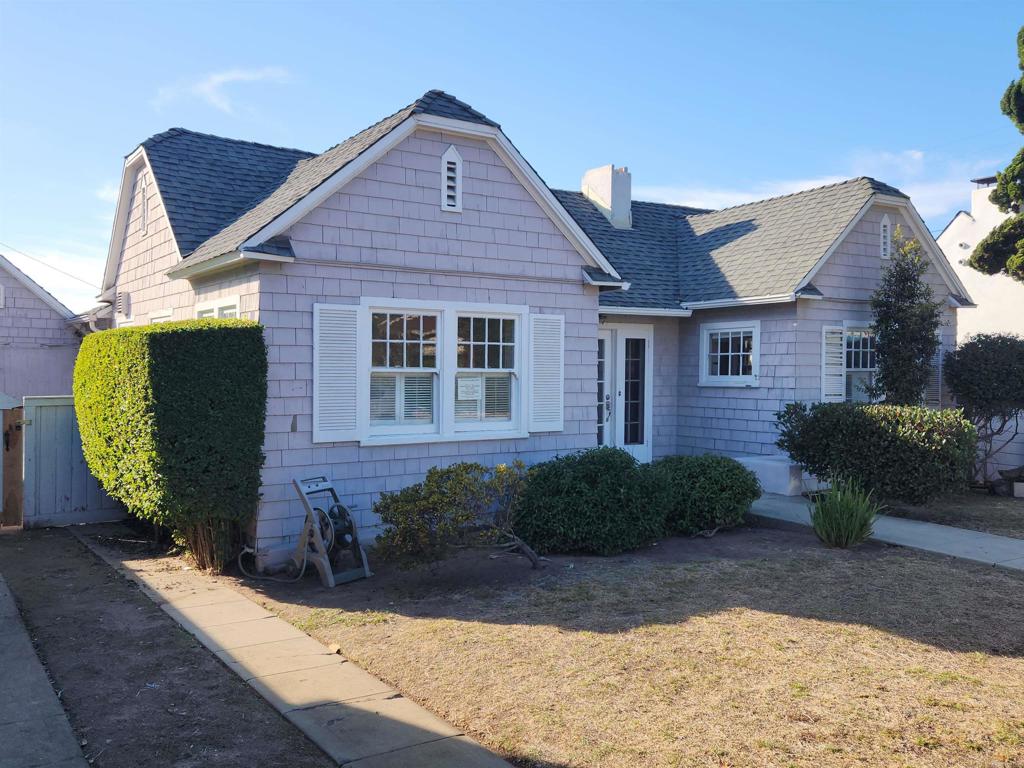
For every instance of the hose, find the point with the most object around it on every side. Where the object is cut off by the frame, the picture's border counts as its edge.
(246, 549)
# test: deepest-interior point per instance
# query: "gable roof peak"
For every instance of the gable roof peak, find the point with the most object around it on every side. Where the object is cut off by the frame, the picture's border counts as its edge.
(437, 102)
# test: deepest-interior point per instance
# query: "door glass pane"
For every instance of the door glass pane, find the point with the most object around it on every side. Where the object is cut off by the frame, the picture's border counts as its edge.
(633, 395)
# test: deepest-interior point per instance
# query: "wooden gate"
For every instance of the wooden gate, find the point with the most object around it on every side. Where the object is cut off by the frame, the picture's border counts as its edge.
(58, 488)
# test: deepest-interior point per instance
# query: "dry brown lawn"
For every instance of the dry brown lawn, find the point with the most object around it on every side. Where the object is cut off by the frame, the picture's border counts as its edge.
(976, 510)
(800, 657)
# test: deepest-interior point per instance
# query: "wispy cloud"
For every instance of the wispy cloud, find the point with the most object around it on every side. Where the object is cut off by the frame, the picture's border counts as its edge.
(107, 192)
(213, 88)
(937, 185)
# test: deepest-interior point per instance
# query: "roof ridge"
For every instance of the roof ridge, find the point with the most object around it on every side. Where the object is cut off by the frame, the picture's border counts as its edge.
(801, 192)
(692, 208)
(421, 105)
(178, 131)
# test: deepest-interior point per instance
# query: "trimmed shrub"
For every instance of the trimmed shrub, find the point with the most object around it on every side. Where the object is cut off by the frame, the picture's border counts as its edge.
(425, 519)
(172, 417)
(844, 515)
(703, 493)
(898, 451)
(986, 377)
(600, 501)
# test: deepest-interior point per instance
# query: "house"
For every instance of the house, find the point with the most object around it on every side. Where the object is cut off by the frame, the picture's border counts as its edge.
(999, 297)
(428, 299)
(39, 339)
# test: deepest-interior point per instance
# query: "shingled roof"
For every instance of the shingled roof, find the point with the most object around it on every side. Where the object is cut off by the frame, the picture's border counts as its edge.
(674, 254)
(219, 192)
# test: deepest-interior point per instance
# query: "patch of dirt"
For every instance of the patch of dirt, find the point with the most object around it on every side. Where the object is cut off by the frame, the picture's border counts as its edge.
(975, 510)
(138, 689)
(758, 647)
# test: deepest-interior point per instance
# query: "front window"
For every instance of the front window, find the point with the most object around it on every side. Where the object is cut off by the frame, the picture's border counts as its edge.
(485, 361)
(860, 363)
(729, 354)
(225, 308)
(403, 372)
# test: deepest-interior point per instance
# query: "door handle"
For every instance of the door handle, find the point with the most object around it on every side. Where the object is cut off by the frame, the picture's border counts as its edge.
(607, 407)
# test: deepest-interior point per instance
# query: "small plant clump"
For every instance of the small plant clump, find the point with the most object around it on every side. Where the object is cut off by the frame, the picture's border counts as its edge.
(844, 515)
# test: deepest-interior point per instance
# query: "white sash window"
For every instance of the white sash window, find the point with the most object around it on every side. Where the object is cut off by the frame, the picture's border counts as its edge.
(405, 371)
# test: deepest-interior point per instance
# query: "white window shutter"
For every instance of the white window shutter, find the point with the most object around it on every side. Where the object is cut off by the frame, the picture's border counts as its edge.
(933, 390)
(833, 364)
(547, 373)
(335, 377)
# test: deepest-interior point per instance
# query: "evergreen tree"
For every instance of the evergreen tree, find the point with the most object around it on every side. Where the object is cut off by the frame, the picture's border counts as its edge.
(906, 325)
(1002, 250)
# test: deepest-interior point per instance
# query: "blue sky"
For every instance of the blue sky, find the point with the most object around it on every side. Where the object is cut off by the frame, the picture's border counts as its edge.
(711, 103)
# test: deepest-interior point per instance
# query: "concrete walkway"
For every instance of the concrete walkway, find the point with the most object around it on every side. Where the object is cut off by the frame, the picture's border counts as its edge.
(355, 718)
(34, 731)
(942, 539)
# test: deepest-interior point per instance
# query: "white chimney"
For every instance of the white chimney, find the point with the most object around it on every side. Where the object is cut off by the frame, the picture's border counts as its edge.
(609, 188)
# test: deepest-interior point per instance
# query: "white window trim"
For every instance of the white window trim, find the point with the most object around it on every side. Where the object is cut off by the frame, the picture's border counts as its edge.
(161, 316)
(855, 325)
(885, 238)
(451, 155)
(754, 380)
(445, 428)
(3, 295)
(218, 304)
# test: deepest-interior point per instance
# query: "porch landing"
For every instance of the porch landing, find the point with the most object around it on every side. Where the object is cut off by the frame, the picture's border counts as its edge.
(779, 475)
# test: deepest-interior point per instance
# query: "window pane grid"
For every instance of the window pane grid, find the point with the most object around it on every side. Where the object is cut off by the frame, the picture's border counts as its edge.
(731, 353)
(633, 397)
(486, 343)
(400, 340)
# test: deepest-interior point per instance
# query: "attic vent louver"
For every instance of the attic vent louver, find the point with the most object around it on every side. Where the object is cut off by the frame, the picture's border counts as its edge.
(451, 180)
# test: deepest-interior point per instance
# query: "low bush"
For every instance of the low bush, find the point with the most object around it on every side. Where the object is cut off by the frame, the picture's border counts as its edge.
(702, 493)
(844, 515)
(900, 452)
(426, 519)
(600, 501)
(171, 418)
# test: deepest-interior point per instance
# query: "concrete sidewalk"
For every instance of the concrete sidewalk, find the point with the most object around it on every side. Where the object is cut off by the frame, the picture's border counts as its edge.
(34, 731)
(942, 539)
(355, 718)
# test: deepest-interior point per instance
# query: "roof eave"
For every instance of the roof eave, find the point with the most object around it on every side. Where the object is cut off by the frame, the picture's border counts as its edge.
(186, 271)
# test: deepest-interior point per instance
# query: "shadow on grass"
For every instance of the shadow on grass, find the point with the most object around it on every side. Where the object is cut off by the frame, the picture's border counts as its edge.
(949, 604)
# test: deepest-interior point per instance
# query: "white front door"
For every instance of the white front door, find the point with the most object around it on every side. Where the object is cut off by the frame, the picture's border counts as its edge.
(625, 387)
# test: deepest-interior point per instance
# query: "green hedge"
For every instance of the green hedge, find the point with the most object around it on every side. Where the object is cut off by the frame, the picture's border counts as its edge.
(600, 501)
(898, 451)
(705, 492)
(172, 417)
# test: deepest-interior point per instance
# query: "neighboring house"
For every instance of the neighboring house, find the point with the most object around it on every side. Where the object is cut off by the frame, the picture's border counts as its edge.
(38, 339)
(1000, 298)
(428, 299)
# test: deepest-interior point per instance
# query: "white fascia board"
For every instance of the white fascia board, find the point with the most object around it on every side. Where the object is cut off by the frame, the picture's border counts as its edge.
(333, 183)
(234, 258)
(622, 284)
(836, 243)
(921, 233)
(36, 289)
(931, 247)
(645, 311)
(494, 138)
(132, 164)
(780, 298)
